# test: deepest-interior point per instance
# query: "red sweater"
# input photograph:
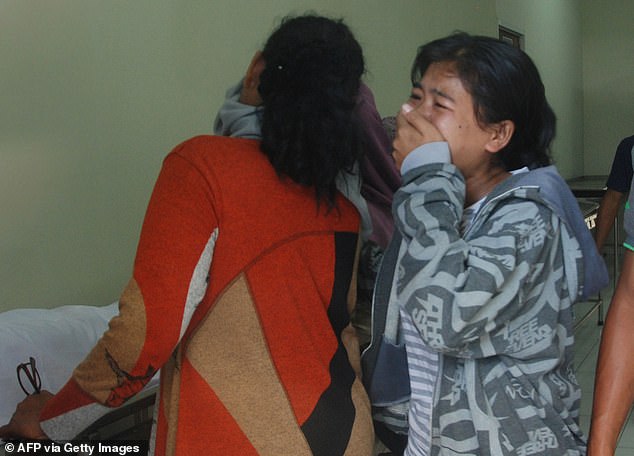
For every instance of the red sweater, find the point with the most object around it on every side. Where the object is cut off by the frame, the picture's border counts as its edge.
(240, 296)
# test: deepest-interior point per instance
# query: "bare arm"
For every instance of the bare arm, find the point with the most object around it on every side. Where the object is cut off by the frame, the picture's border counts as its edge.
(614, 383)
(608, 208)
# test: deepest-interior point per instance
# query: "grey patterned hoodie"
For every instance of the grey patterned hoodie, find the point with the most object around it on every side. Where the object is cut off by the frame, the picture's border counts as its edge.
(495, 304)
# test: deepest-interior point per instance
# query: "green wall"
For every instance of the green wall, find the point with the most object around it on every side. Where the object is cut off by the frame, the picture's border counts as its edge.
(95, 93)
(553, 33)
(608, 71)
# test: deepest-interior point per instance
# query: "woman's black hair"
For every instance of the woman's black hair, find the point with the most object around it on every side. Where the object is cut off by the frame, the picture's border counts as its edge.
(504, 85)
(309, 88)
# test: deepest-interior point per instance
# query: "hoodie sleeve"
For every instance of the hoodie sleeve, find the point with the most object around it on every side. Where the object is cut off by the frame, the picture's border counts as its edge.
(469, 298)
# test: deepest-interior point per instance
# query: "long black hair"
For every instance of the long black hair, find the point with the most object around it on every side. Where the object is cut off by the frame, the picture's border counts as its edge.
(309, 89)
(504, 84)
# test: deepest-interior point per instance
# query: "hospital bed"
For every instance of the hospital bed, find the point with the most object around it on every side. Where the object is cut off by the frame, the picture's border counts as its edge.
(58, 339)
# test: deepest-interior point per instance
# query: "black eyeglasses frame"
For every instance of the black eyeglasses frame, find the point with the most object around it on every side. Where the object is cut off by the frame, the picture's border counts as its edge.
(29, 370)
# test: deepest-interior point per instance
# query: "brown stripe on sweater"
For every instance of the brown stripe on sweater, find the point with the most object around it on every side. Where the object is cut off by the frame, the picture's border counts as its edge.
(229, 350)
(95, 374)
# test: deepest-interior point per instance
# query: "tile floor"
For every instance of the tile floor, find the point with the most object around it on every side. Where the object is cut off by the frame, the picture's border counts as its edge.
(588, 336)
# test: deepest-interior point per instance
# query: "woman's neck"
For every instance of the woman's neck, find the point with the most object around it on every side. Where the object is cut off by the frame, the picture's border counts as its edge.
(480, 185)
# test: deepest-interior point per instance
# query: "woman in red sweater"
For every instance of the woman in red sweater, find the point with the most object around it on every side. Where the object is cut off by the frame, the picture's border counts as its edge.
(241, 288)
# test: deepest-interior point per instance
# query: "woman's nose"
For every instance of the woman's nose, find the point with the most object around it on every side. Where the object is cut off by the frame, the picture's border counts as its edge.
(424, 107)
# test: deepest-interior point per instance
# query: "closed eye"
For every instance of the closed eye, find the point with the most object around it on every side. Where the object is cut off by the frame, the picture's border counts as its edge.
(417, 92)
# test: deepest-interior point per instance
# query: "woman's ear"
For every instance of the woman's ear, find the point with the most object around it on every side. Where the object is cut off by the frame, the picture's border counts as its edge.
(501, 134)
(249, 93)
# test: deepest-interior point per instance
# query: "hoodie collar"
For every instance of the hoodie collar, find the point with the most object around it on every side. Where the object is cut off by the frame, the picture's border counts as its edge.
(553, 191)
(237, 119)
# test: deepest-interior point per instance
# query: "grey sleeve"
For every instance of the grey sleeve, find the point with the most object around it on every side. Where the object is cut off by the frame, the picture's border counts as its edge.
(463, 294)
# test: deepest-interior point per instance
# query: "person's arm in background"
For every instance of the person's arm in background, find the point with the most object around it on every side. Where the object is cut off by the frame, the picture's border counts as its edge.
(617, 185)
(614, 383)
(608, 208)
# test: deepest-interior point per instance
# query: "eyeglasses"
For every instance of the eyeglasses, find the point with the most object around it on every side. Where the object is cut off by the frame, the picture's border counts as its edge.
(28, 371)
